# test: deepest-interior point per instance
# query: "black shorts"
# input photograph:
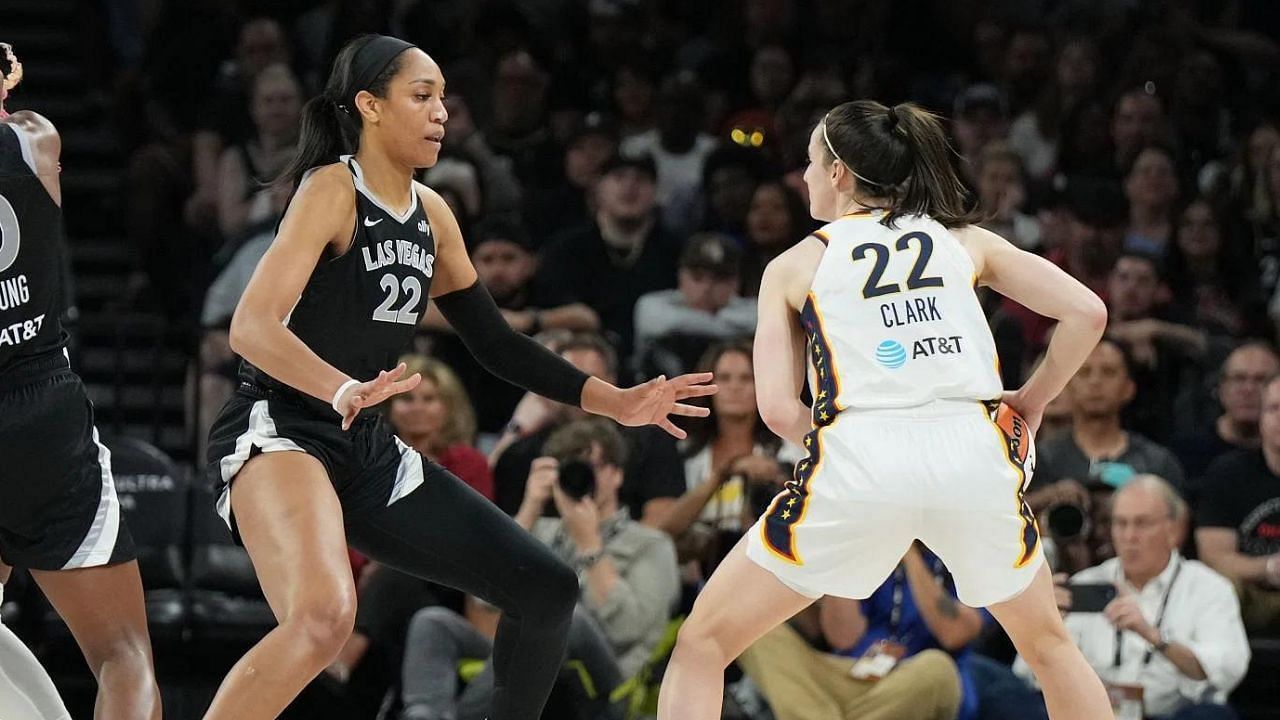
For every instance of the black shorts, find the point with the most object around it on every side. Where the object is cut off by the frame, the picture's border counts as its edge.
(58, 504)
(370, 467)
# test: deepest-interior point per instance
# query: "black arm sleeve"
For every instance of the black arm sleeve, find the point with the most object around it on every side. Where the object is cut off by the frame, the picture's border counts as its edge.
(506, 353)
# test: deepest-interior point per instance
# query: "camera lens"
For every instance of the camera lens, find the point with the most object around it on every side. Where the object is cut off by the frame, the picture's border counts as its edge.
(577, 479)
(1067, 521)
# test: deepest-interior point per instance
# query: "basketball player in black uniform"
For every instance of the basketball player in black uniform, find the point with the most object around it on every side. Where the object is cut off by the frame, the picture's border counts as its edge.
(59, 516)
(303, 473)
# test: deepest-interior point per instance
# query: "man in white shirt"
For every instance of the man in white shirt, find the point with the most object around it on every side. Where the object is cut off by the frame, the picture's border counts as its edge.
(1171, 645)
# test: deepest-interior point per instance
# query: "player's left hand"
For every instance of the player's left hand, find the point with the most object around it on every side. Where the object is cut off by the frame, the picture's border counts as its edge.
(651, 402)
(1125, 614)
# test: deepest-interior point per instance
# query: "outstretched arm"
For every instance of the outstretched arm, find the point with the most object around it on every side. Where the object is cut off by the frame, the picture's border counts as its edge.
(522, 361)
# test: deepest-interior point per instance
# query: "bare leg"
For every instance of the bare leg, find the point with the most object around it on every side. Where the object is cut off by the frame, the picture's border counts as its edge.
(103, 607)
(1072, 690)
(291, 524)
(720, 627)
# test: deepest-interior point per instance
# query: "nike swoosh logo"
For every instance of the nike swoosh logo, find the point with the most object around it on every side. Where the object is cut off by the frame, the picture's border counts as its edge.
(371, 223)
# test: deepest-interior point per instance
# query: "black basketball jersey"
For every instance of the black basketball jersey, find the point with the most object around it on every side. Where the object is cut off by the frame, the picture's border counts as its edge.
(31, 294)
(359, 310)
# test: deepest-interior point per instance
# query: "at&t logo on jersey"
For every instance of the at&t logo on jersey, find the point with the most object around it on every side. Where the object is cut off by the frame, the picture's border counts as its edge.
(892, 355)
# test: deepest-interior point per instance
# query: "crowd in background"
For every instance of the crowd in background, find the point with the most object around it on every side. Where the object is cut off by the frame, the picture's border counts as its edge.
(623, 170)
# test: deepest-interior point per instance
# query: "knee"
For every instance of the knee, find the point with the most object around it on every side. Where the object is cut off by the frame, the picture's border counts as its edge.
(429, 623)
(556, 595)
(323, 624)
(698, 644)
(1046, 646)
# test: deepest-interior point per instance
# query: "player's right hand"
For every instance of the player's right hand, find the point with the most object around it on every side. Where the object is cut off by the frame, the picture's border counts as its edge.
(373, 392)
(1032, 416)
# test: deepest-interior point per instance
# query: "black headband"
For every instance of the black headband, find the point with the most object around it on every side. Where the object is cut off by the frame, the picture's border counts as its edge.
(369, 62)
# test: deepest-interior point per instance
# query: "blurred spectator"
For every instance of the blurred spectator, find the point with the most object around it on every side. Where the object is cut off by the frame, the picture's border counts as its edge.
(772, 75)
(437, 420)
(247, 201)
(519, 128)
(1151, 186)
(898, 655)
(1239, 390)
(1200, 118)
(1027, 66)
(628, 575)
(497, 187)
(1085, 148)
(981, 116)
(505, 263)
(729, 179)
(228, 116)
(1265, 225)
(678, 148)
(623, 253)
(1097, 455)
(1093, 236)
(590, 146)
(1166, 351)
(1211, 275)
(1171, 644)
(674, 327)
(1137, 121)
(1241, 185)
(654, 475)
(1238, 520)
(634, 86)
(777, 219)
(1035, 134)
(1001, 193)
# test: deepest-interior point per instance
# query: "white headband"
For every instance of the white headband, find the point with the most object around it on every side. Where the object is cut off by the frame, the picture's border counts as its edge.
(836, 155)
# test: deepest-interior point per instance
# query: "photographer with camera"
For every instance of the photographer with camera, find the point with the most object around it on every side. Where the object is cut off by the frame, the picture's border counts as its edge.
(1077, 471)
(627, 572)
(1164, 633)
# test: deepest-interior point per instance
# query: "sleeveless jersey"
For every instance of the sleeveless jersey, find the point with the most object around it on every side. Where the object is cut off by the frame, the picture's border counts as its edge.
(31, 260)
(893, 320)
(359, 310)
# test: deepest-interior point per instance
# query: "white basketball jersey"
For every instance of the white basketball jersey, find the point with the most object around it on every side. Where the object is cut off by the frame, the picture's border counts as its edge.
(893, 320)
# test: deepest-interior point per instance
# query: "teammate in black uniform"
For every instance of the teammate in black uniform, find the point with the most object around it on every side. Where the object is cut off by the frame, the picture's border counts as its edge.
(59, 516)
(333, 302)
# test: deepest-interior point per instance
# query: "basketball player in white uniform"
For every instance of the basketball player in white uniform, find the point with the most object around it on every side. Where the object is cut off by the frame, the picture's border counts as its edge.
(908, 437)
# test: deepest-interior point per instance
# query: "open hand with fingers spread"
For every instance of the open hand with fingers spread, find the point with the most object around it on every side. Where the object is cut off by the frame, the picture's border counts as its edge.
(368, 394)
(651, 403)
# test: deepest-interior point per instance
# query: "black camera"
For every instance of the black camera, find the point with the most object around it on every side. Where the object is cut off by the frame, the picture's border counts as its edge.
(577, 479)
(1068, 521)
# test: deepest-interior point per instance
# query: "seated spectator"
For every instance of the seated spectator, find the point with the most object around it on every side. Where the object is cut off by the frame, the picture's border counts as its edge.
(505, 262)
(623, 253)
(1171, 645)
(464, 142)
(678, 148)
(437, 420)
(589, 147)
(1137, 120)
(981, 117)
(1166, 351)
(1083, 466)
(1036, 133)
(1209, 273)
(724, 453)
(772, 75)
(1001, 193)
(628, 574)
(1094, 236)
(1240, 381)
(247, 202)
(654, 475)
(1151, 186)
(776, 220)
(518, 128)
(1264, 231)
(674, 327)
(898, 655)
(1238, 521)
(729, 179)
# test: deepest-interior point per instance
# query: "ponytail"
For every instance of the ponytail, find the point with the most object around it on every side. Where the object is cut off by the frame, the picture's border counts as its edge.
(327, 133)
(933, 187)
(900, 155)
(330, 121)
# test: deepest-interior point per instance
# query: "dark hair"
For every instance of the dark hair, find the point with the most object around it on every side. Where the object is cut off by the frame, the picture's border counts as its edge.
(328, 128)
(1126, 355)
(900, 155)
(576, 440)
(704, 431)
(798, 213)
(1156, 263)
(594, 343)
